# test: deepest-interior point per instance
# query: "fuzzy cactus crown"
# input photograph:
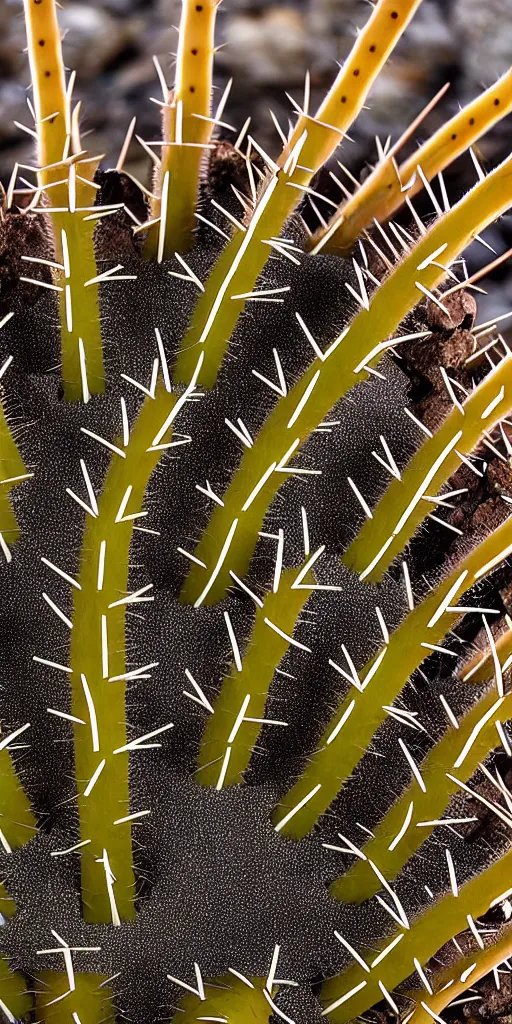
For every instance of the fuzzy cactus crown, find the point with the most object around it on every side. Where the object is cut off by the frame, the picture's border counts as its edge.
(255, 535)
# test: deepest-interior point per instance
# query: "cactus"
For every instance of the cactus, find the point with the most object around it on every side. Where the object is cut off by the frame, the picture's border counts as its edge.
(255, 545)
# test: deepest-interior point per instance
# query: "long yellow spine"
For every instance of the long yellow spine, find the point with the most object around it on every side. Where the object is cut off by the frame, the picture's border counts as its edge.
(226, 735)
(187, 132)
(386, 188)
(313, 140)
(59, 175)
(49, 87)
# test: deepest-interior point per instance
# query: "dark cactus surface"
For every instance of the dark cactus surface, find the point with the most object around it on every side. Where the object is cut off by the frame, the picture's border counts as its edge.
(255, 632)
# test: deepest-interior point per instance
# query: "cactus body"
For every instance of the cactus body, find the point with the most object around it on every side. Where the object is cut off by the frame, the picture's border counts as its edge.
(255, 543)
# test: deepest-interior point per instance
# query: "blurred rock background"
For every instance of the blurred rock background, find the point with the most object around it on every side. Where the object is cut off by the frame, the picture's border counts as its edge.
(267, 45)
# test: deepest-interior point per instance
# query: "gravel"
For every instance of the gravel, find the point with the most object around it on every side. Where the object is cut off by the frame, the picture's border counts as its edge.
(267, 48)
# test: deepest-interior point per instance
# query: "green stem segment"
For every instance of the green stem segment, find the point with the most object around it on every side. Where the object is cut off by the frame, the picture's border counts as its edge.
(90, 999)
(340, 749)
(231, 732)
(229, 1000)
(7, 904)
(17, 822)
(187, 129)
(259, 475)
(70, 194)
(79, 306)
(13, 993)
(460, 751)
(402, 508)
(12, 471)
(427, 933)
(381, 194)
(477, 964)
(98, 653)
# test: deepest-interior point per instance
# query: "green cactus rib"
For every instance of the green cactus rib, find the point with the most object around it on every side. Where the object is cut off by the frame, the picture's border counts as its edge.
(66, 181)
(187, 129)
(339, 749)
(13, 471)
(79, 306)
(229, 1000)
(67, 997)
(15, 1002)
(17, 822)
(469, 970)
(99, 668)
(424, 937)
(481, 667)
(401, 509)
(258, 477)
(98, 657)
(461, 751)
(232, 730)
(382, 194)
(311, 144)
(7, 904)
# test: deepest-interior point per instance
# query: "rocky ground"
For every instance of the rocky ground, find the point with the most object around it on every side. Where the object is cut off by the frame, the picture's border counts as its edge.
(267, 47)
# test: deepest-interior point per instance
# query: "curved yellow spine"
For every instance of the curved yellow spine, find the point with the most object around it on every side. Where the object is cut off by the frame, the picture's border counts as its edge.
(460, 750)
(340, 749)
(313, 140)
(456, 979)
(401, 509)
(59, 175)
(187, 132)
(385, 190)
(325, 382)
